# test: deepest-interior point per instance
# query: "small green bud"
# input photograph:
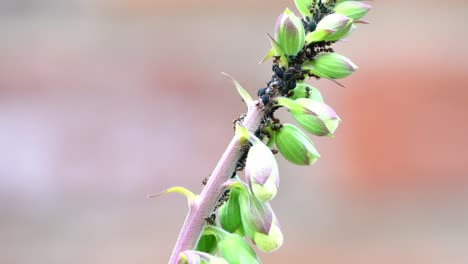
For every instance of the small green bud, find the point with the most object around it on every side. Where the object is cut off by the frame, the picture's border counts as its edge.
(295, 146)
(229, 214)
(261, 172)
(304, 90)
(235, 250)
(315, 117)
(331, 28)
(289, 33)
(260, 223)
(207, 244)
(330, 65)
(272, 241)
(353, 9)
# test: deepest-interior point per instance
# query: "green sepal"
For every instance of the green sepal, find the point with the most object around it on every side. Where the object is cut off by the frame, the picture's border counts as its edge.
(318, 35)
(268, 56)
(295, 146)
(304, 7)
(242, 92)
(291, 105)
(278, 51)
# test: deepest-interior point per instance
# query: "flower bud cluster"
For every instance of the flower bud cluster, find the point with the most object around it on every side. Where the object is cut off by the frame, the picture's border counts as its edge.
(301, 48)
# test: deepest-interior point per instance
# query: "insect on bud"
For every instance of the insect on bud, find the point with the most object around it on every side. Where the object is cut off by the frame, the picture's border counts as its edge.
(353, 9)
(295, 146)
(304, 90)
(289, 33)
(330, 65)
(261, 172)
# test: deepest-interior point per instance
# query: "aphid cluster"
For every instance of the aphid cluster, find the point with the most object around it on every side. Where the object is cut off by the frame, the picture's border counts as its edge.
(282, 83)
(284, 80)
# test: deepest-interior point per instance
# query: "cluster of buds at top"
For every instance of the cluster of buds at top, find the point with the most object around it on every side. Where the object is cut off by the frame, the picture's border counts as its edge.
(301, 48)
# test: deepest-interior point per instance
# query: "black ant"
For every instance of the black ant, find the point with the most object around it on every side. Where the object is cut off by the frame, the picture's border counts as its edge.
(211, 220)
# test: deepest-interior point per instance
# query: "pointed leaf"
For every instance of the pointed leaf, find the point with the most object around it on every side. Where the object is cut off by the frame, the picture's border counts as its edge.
(268, 56)
(242, 92)
(191, 197)
(278, 51)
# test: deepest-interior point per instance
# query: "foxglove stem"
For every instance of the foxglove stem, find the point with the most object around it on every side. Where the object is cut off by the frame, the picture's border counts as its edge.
(195, 221)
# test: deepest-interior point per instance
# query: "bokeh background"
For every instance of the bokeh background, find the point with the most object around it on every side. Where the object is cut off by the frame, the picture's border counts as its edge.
(103, 102)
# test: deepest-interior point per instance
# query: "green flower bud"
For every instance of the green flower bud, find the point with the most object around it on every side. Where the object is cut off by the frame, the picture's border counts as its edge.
(260, 223)
(331, 28)
(207, 243)
(295, 146)
(289, 33)
(229, 214)
(331, 66)
(235, 250)
(304, 90)
(315, 117)
(261, 172)
(352, 9)
(232, 247)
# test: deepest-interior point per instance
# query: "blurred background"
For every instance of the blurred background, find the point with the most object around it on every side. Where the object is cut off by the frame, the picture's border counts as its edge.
(103, 102)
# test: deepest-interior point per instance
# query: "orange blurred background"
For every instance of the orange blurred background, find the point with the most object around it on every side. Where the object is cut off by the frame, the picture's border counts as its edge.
(104, 102)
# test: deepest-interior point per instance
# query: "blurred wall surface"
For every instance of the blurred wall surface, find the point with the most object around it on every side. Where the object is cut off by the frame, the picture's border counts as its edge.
(104, 102)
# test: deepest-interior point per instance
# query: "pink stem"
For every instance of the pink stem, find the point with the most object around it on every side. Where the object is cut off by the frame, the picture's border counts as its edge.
(195, 221)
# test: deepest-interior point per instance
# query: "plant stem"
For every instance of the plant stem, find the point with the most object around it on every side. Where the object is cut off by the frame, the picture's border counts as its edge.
(195, 221)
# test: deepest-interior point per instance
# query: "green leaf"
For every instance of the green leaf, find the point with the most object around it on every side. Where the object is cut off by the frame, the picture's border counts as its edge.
(291, 105)
(191, 197)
